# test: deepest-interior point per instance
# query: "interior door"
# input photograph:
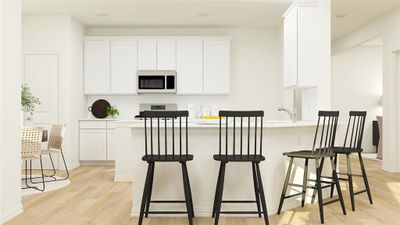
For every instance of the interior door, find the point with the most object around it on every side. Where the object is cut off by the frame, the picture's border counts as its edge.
(41, 76)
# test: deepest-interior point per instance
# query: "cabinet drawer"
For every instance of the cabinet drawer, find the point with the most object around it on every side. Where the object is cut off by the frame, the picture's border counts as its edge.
(93, 124)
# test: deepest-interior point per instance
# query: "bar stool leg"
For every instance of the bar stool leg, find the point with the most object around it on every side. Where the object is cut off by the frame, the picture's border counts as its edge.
(150, 191)
(145, 193)
(319, 190)
(350, 178)
(189, 190)
(338, 189)
(256, 188)
(220, 193)
(216, 191)
(262, 195)
(317, 165)
(364, 175)
(336, 166)
(305, 180)
(285, 185)
(187, 194)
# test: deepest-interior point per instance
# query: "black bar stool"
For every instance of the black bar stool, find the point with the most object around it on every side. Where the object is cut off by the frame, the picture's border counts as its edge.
(325, 134)
(153, 156)
(241, 155)
(353, 144)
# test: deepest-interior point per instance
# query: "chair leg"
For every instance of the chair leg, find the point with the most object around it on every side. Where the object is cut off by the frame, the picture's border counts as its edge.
(336, 166)
(350, 178)
(52, 164)
(285, 186)
(256, 188)
(65, 166)
(338, 189)
(364, 175)
(262, 194)
(319, 190)
(216, 191)
(145, 193)
(220, 193)
(305, 181)
(148, 200)
(190, 190)
(41, 168)
(187, 194)
(321, 166)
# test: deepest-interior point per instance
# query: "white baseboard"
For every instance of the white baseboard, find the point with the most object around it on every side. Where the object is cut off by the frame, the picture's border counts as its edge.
(73, 166)
(123, 178)
(11, 213)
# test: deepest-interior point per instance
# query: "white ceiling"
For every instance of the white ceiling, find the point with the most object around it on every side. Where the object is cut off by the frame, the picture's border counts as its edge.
(357, 13)
(205, 13)
(253, 13)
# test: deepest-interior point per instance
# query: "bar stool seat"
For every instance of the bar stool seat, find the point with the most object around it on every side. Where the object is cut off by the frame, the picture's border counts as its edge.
(346, 150)
(308, 154)
(167, 158)
(239, 158)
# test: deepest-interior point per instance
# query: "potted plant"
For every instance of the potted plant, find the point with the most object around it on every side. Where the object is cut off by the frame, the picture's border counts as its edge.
(112, 111)
(28, 100)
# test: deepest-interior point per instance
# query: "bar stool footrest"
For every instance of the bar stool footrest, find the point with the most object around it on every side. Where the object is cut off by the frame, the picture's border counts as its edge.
(332, 201)
(167, 212)
(238, 201)
(167, 201)
(240, 212)
(360, 192)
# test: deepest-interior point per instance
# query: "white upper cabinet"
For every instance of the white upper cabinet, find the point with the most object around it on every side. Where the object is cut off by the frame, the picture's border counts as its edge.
(97, 67)
(189, 66)
(166, 55)
(147, 55)
(123, 67)
(111, 64)
(216, 58)
(301, 56)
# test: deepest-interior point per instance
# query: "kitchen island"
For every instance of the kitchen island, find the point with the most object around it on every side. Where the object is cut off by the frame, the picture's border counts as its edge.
(278, 137)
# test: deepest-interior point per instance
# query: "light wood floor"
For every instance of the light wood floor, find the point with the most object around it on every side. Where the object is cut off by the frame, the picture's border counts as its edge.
(93, 198)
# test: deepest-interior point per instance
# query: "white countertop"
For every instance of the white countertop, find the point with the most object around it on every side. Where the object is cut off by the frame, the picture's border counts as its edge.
(137, 123)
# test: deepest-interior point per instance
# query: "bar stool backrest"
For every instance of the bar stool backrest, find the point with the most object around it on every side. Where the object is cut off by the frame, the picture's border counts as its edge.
(355, 130)
(325, 132)
(56, 136)
(31, 141)
(167, 118)
(249, 122)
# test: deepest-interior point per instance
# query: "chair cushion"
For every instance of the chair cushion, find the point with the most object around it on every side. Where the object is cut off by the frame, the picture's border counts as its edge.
(239, 158)
(346, 150)
(308, 154)
(167, 158)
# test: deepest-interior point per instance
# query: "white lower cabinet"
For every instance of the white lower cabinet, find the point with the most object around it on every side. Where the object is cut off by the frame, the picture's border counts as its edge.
(96, 139)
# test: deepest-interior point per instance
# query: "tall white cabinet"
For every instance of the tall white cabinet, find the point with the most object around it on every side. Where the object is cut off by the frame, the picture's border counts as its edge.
(301, 55)
(202, 63)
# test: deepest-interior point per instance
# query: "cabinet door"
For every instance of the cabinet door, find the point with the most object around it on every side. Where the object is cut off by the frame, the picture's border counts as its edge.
(111, 144)
(92, 145)
(166, 55)
(123, 67)
(308, 38)
(216, 67)
(97, 67)
(290, 49)
(189, 66)
(147, 55)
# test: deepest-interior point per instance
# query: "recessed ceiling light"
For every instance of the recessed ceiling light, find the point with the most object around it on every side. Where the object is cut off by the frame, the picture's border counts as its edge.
(102, 14)
(203, 14)
(340, 15)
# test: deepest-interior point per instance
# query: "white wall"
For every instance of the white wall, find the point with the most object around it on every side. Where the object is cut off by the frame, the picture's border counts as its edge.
(62, 35)
(357, 85)
(386, 26)
(256, 74)
(10, 110)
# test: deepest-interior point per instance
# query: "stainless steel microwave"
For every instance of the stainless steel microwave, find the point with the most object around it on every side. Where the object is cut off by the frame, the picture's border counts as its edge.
(156, 81)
